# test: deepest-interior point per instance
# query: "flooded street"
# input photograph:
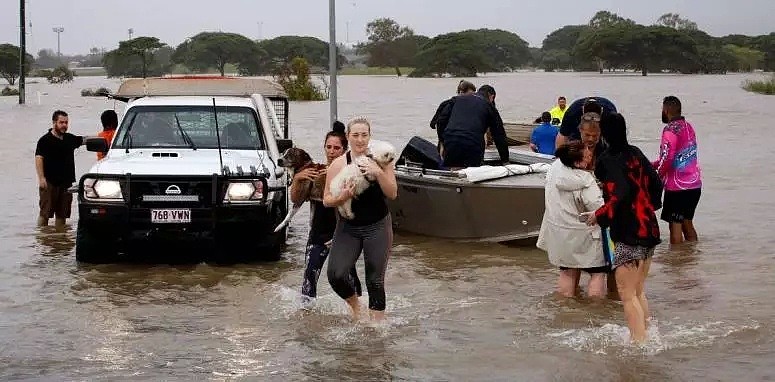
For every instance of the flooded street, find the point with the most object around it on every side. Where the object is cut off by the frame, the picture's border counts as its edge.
(456, 311)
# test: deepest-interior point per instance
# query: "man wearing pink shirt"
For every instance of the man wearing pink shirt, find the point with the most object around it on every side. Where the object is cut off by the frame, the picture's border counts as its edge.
(679, 168)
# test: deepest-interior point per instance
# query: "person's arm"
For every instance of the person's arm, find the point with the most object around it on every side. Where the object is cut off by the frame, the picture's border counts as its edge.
(39, 153)
(39, 170)
(499, 135)
(435, 120)
(328, 199)
(446, 113)
(386, 178)
(591, 195)
(533, 145)
(667, 151)
(296, 191)
(616, 186)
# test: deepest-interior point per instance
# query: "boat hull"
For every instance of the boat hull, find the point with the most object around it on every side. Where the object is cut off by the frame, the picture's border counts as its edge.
(494, 211)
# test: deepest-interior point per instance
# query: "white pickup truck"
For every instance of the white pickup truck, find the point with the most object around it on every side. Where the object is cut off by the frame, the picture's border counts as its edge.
(193, 159)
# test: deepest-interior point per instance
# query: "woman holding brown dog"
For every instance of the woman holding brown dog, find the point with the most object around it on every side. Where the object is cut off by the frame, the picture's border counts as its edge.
(322, 219)
(369, 231)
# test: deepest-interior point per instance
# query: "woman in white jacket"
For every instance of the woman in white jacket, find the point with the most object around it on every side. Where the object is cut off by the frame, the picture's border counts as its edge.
(572, 245)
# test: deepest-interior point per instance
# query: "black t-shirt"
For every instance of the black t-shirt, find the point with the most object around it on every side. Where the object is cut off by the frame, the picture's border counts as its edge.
(370, 206)
(323, 223)
(58, 157)
(572, 117)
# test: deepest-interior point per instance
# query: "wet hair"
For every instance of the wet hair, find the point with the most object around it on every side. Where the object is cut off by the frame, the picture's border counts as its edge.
(672, 104)
(338, 131)
(614, 130)
(109, 119)
(562, 98)
(356, 121)
(465, 86)
(486, 91)
(546, 116)
(57, 114)
(570, 153)
(591, 105)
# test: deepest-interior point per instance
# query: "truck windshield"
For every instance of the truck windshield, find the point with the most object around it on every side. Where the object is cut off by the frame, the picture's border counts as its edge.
(189, 126)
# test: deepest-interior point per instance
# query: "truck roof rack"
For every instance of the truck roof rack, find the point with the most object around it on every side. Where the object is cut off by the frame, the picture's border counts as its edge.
(197, 86)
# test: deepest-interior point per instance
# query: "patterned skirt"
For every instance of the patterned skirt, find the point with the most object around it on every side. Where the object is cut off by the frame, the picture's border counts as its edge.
(624, 254)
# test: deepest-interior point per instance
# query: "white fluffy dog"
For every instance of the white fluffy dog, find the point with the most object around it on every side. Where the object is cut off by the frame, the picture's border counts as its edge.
(381, 153)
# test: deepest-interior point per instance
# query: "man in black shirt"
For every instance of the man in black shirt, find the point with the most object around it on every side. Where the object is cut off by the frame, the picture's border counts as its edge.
(55, 166)
(463, 124)
(464, 87)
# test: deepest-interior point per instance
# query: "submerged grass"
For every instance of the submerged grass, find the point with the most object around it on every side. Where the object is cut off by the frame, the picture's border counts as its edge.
(761, 86)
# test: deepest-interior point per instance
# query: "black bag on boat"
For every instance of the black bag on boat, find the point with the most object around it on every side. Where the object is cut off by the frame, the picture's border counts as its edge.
(421, 151)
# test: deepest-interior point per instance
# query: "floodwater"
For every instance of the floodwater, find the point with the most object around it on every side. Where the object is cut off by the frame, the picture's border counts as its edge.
(456, 311)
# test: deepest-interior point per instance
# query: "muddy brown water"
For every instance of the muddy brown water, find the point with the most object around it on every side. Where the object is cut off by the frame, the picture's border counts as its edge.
(456, 311)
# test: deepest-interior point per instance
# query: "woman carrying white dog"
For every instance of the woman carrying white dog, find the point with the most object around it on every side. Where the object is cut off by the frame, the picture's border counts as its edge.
(370, 231)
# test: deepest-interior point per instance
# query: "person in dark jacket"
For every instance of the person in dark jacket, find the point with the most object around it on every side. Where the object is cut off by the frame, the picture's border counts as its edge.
(463, 124)
(464, 87)
(632, 192)
(569, 128)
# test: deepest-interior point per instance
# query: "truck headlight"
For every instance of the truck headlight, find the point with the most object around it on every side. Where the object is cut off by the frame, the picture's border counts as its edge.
(248, 191)
(102, 189)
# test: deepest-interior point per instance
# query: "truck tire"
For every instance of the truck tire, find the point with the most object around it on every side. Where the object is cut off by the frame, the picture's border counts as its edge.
(93, 249)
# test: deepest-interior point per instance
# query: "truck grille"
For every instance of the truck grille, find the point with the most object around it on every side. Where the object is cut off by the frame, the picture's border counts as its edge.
(180, 191)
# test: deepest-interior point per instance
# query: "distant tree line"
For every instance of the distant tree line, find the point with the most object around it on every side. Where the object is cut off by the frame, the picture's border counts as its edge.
(607, 42)
(672, 43)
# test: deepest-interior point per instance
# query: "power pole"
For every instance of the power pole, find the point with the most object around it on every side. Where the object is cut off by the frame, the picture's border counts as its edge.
(22, 51)
(332, 60)
(131, 31)
(58, 31)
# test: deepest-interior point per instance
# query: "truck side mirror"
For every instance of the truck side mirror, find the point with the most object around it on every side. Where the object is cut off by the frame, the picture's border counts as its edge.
(284, 144)
(97, 144)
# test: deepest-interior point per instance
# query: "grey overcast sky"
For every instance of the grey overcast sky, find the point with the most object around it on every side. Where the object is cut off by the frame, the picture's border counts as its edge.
(102, 23)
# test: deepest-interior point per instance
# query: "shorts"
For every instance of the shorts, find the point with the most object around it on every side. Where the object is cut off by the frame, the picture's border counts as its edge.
(680, 205)
(602, 269)
(55, 201)
(625, 254)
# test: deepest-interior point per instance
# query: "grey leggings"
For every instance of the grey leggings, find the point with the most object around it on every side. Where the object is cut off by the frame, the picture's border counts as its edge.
(375, 241)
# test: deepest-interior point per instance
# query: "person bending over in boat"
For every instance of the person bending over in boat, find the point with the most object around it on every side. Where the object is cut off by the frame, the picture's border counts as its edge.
(569, 128)
(572, 245)
(463, 124)
(322, 218)
(632, 191)
(464, 87)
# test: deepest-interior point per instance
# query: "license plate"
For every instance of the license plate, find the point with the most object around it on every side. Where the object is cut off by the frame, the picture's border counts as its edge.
(177, 215)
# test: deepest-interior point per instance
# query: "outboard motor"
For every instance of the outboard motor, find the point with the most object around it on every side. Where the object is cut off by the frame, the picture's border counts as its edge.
(421, 151)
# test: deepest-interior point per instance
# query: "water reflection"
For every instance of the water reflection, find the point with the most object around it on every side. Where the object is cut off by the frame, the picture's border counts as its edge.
(55, 240)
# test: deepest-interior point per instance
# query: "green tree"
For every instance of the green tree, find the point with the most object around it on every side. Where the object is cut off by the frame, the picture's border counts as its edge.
(9, 63)
(138, 57)
(470, 52)
(216, 49)
(561, 42)
(387, 46)
(283, 49)
(59, 75)
(747, 59)
(605, 19)
(675, 21)
(295, 79)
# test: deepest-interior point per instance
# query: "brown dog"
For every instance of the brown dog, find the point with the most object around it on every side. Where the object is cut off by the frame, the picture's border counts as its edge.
(296, 159)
